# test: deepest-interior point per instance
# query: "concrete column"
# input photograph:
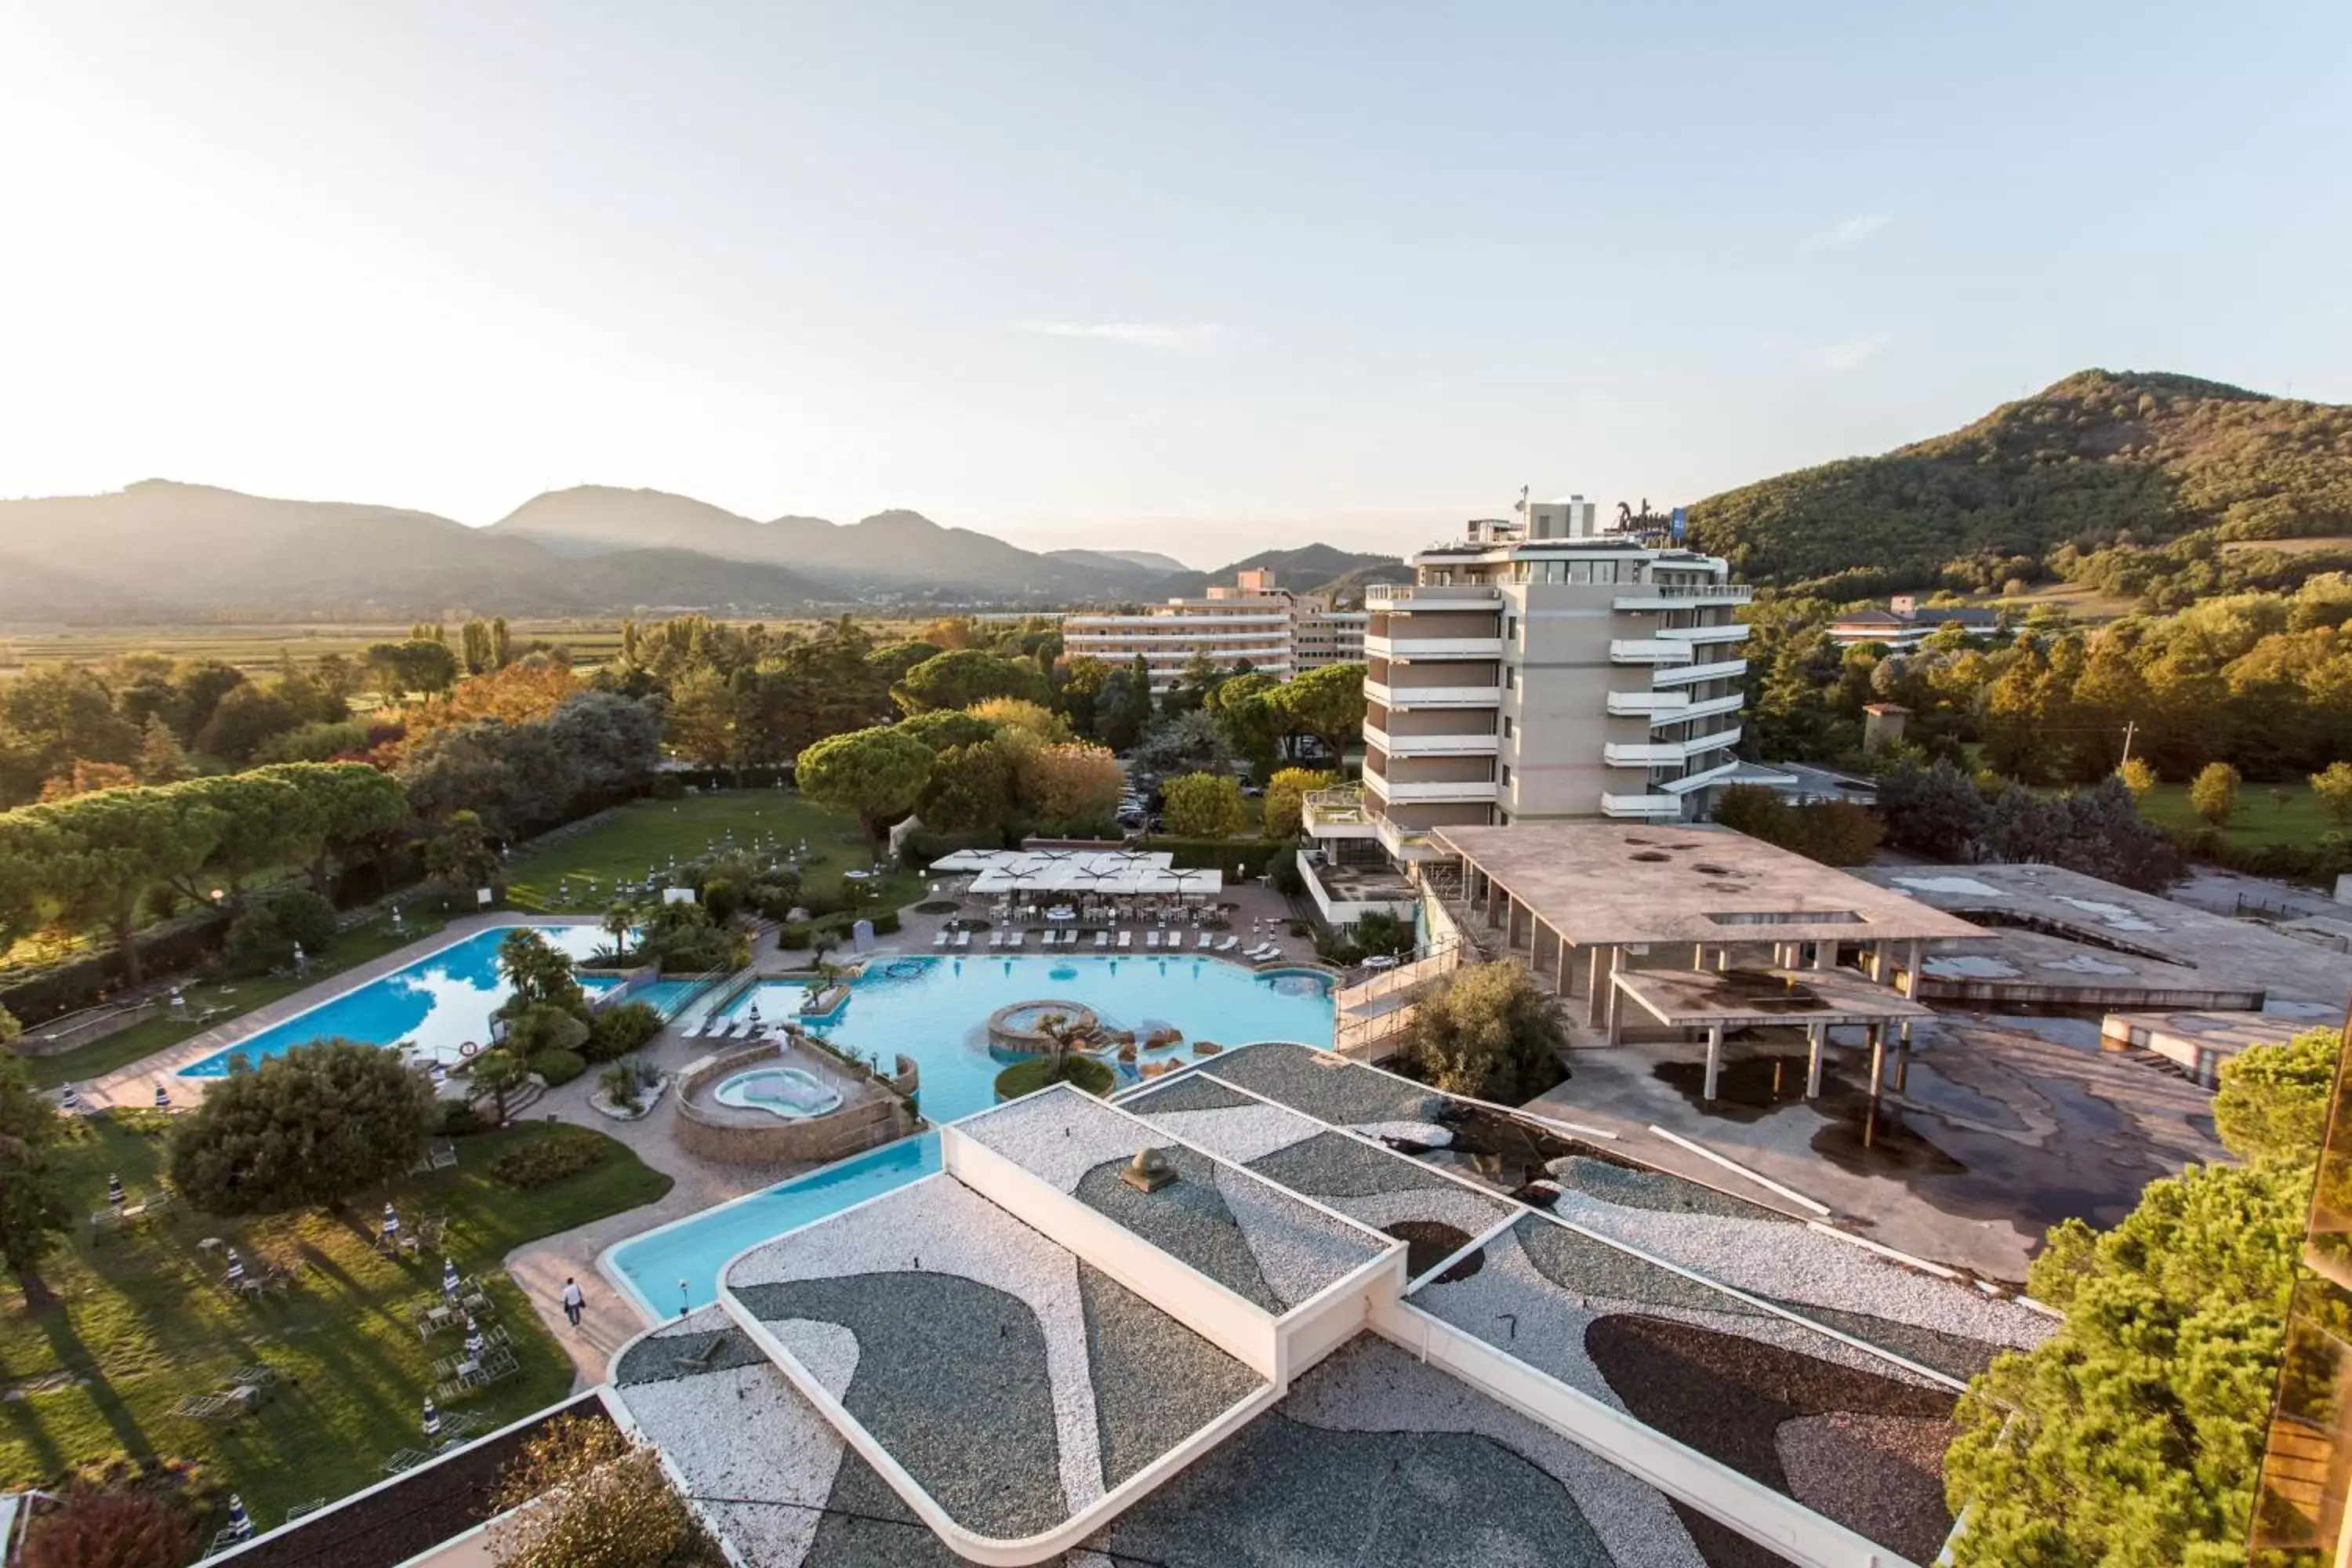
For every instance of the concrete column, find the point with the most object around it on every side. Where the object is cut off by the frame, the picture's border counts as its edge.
(1878, 962)
(1596, 970)
(1566, 975)
(1616, 1012)
(1815, 1034)
(1723, 959)
(1877, 1062)
(1826, 954)
(1713, 1059)
(1911, 961)
(1902, 1055)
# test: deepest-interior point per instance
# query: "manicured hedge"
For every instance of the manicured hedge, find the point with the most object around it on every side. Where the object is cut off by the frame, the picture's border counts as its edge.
(545, 1161)
(557, 1067)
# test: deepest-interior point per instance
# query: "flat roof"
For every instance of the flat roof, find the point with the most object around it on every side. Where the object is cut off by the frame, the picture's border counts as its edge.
(1608, 884)
(2300, 978)
(1738, 998)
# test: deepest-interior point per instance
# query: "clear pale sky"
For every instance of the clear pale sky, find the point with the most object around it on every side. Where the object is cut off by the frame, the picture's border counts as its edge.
(1196, 277)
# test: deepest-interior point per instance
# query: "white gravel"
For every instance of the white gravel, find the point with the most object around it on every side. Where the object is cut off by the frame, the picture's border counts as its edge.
(746, 1431)
(1371, 1385)
(1800, 1266)
(942, 1227)
(1300, 1250)
(1243, 1133)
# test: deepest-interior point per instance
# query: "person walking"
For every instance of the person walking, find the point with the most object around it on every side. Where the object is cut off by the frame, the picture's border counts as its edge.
(574, 1303)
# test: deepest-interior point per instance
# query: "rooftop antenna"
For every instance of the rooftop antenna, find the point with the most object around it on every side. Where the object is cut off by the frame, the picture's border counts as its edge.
(1522, 508)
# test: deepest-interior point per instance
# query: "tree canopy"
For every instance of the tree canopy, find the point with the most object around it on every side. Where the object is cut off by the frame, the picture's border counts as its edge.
(316, 1125)
(877, 774)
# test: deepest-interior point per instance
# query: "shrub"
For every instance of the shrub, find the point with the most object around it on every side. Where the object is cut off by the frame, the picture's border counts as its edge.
(1027, 1077)
(2214, 792)
(794, 938)
(1282, 868)
(558, 1153)
(886, 924)
(264, 935)
(1206, 805)
(556, 1069)
(113, 1528)
(603, 1501)
(314, 1126)
(619, 1083)
(543, 1027)
(1488, 1031)
(667, 787)
(458, 1119)
(617, 1030)
(938, 907)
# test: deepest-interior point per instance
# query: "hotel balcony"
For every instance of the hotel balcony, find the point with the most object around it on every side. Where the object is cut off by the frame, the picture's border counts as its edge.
(1691, 674)
(1659, 753)
(1730, 631)
(1645, 808)
(1705, 709)
(1403, 598)
(1695, 780)
(1335, 813)
(1405, 845)
(1414, 650)
(1433, 792)
(1396, 746)
(1648, 651)
(1405, 698)
(1682, 596)
(1658, 707)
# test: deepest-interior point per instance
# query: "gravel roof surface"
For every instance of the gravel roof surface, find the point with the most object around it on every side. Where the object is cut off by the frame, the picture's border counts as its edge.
(1329, 1087)
(1243, 1232)
(1384, 1191)
(1374, 1458)
(1185, 1092)
(1632, 1188)
(741, 1429)
(939, 1228)
(1944, 1324)
(951, 1380)
(1730, 1396)
(1156, 1381)
(1242, 1133)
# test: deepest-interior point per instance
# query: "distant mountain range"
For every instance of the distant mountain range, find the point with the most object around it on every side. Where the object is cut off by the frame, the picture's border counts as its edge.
(161, 550)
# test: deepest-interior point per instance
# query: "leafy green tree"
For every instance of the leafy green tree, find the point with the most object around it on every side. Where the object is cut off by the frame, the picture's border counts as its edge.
(877, 774)
(247, 716)
(497, 1073)
(1205, 805)
(419, 665)
(162, 758)
(964, 677)
(1937, 811)
(702, 717)
(1250, 714)
(1185, 743)
(2333, 787)
(33, 1212)
(1487, 1030)
(350, 812)
(972, 788)
(893, 660)
(2137, 776)
(942, 728)
(539, 975)
(113, 846)
(2214, 792)
(317, 1125)
(459, 853)
(1286, 794)
(603, 1501)
(2130, 1438)
(1328, 704)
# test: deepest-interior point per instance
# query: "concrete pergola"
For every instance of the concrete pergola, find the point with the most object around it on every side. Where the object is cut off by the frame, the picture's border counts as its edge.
(1586, 902)
(1720, 1000)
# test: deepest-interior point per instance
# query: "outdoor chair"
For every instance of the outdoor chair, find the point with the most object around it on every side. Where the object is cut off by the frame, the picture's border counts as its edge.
(944, 937)
(963, 939)
(300, 1509)
(209, 1407)
(1230, 943)
(406, 1458)
(1102, 940)
(1203, 942)
(1127, 939)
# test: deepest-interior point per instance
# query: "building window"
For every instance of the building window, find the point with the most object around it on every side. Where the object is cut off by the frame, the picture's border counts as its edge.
(1510, 675)
(1506, 775)
(1510, 628)
(1507, 726)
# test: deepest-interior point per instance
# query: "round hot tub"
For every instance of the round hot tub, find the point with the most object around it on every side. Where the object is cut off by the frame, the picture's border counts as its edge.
(1020, 1028)
(786, 1092)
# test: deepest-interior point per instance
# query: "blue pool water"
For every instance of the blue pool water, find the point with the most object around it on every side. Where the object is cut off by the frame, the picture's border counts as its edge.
(936, 1010)
(668, 998)
(691, 1251)
(436, 1003)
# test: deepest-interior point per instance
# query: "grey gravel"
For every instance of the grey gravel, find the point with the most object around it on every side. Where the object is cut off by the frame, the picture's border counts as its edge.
(1652, 1190)
(1186, 1092)
(1187, 1219)
(1156, 1381)
(1379, 1188)
(1327, 1088)
(951, 1380)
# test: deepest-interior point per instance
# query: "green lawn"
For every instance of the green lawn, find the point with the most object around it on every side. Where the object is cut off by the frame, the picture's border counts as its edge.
(644, 835)
(145, 1323)
(154, 1034)
(2259, 819)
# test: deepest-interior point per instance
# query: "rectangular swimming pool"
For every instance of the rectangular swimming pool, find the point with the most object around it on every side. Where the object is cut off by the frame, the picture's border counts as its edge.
(436, 1003)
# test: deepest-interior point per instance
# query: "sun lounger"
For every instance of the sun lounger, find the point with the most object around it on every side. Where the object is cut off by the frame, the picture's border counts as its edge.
(1102, 940)
(1127, 939)
(1151, 940)
(943, 939)
(1261, 954)
(996, 939)
(963, 939)
(1203, 942)
(1230, 943)
(1018, 936)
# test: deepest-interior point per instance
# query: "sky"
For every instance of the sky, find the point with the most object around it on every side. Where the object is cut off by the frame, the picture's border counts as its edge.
(1201, 279)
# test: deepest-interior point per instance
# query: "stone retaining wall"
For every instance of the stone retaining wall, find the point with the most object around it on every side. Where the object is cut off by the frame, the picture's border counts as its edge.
(868, 1118)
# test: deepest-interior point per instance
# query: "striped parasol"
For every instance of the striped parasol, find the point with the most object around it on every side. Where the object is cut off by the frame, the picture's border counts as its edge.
(449, 1276)
(439, 1073)
(235, 1267)
(475, 1343)
(162, 1096)
(391, 1219)
(432, 1420)
(69, 1102)
(240, 1524)
(114, 1193)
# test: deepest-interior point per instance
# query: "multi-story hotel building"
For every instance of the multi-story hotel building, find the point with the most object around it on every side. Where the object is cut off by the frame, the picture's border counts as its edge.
(1540, 669)
(1272, 629)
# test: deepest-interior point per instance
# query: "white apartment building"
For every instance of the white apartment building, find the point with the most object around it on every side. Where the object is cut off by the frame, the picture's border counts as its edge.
(1273, 630)
(1542, 669)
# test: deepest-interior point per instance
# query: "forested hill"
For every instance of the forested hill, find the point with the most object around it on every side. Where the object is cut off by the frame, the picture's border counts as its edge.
(2045, 485)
